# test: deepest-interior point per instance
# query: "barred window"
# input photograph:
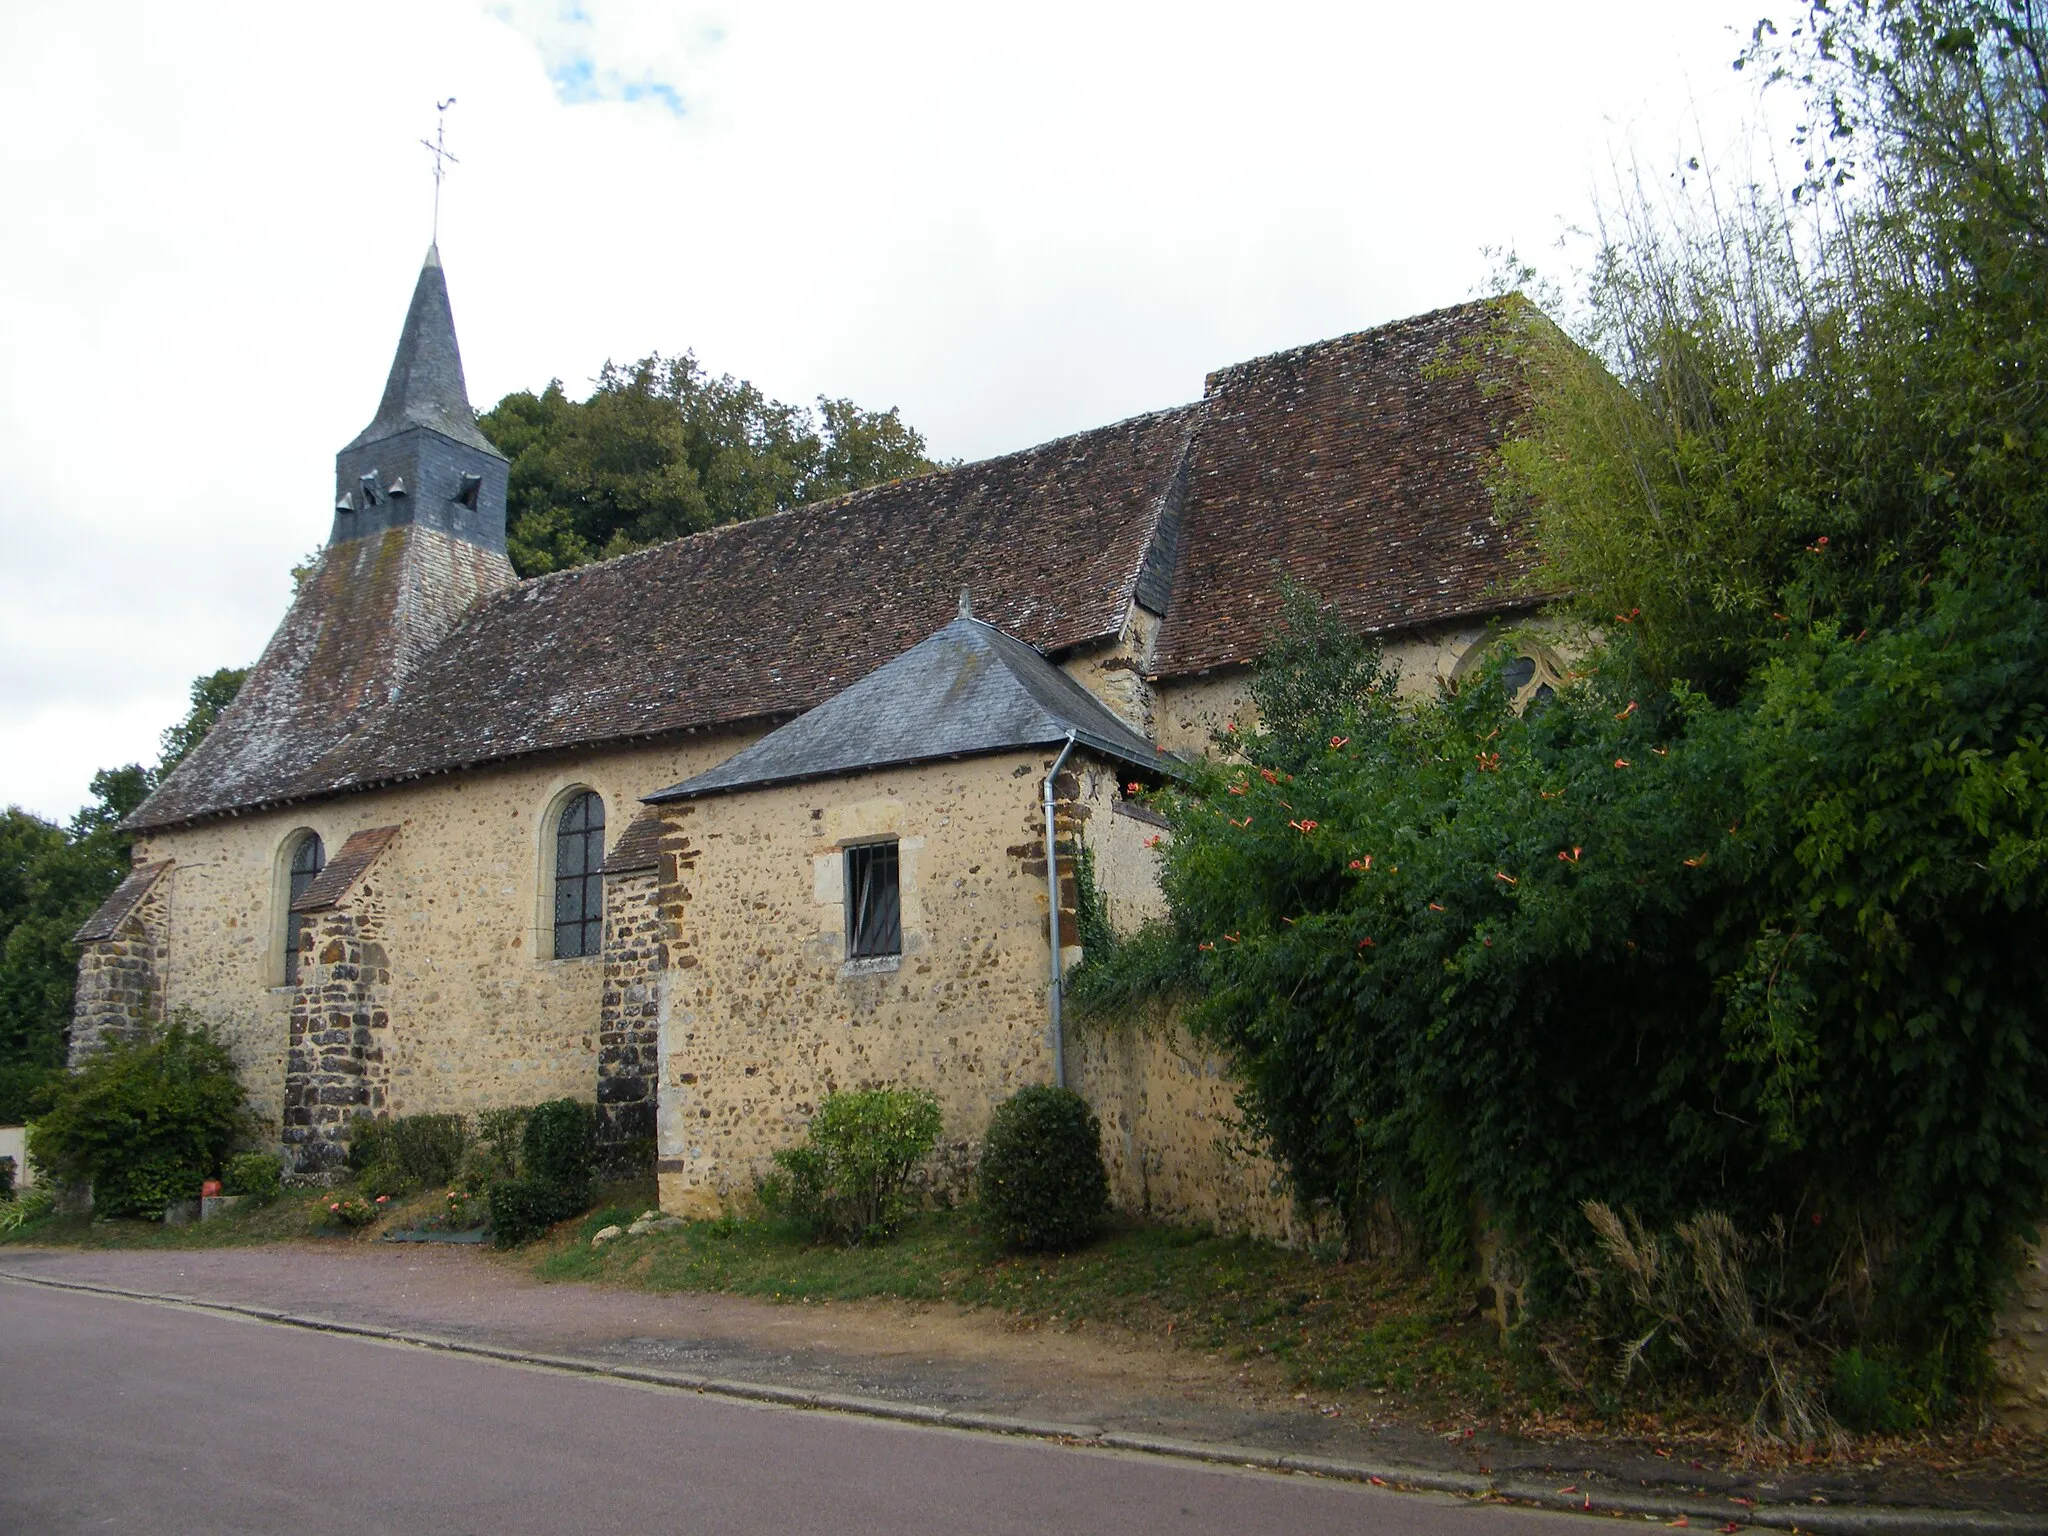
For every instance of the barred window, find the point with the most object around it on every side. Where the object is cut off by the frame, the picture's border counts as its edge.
(309, 857)
(579, 887)
(874, 902)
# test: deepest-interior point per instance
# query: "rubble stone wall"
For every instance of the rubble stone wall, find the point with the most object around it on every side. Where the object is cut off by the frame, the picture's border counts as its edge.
(121, 980)
(478, 1018)
(770, 1015)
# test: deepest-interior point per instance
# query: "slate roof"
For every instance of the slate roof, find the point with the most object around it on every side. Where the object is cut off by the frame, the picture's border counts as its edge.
(1355, 467)
(1352, 465)
(344, 869)
(116, 909)
(425, 387)
(966, 691)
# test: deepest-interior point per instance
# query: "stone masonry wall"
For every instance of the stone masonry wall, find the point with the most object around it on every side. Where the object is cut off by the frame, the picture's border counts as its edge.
(2019, 1347)
(1171, 1136)
(338, 1065)
(481, 1016)
(772, 1016)
(629, 1011)
(121, 980)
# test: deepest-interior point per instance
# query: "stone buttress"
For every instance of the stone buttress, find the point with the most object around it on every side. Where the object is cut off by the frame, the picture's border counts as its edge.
(338, 1065)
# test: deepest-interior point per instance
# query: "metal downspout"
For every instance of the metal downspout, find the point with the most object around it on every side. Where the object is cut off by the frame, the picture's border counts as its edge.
(1052, 899)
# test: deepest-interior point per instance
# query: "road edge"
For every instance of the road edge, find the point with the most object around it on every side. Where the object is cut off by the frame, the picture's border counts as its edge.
(1820, 1520)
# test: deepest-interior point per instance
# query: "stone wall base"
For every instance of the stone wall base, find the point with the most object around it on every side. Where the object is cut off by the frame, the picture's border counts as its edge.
(1171, 1137)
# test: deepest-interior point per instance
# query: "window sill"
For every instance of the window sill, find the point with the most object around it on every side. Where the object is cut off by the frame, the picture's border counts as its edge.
(871, 965)
(573, 960)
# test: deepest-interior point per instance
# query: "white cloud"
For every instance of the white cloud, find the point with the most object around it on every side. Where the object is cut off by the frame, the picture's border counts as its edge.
(1012, 224)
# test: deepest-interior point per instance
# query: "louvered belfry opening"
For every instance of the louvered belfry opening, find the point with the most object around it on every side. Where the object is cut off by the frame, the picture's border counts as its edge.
(308, 859)
(579, 883)
(874, 902)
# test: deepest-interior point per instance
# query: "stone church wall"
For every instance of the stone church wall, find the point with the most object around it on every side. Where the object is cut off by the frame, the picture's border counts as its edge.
(477, 1019)
(339, 1060)
(121, 979)
(773, 1017)
(1186, 713)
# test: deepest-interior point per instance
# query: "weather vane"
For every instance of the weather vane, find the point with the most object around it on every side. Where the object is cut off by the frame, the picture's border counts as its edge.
(438, 148)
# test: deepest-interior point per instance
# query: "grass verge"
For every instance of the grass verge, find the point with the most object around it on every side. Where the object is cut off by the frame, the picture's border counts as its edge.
(1352, 1328)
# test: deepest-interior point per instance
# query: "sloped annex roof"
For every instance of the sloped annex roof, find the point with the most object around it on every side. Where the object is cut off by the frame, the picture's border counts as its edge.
(106, 922)
(342, 871)
(966, 691)
(1353, 466)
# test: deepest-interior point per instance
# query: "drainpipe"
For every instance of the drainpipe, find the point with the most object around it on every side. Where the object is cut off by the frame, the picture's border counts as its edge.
(1052, 894)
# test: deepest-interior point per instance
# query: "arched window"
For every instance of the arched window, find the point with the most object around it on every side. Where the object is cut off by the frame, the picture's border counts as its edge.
(579, 887)
(309, 857)
(1529, 673)
(1530, 680)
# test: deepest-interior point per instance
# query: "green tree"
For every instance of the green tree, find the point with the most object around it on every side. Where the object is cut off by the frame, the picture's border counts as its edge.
(662, 449)
(52, 878)
(211, 695)
(1746, 919)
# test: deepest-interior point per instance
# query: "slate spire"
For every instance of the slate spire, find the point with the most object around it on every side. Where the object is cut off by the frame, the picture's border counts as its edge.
(423, 459)
(426, 387)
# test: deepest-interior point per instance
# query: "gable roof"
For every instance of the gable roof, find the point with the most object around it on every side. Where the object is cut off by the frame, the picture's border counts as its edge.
(968, 690)
(106, 922)
(425, 387)
(1354, 467)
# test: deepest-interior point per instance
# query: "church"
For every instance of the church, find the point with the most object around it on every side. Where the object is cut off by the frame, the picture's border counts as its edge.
(709, 830)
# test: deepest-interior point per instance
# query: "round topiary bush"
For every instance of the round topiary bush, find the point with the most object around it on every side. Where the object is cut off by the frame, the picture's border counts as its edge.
(1042, 1179)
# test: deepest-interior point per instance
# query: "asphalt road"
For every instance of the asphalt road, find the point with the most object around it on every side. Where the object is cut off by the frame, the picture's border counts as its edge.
(126, 1416)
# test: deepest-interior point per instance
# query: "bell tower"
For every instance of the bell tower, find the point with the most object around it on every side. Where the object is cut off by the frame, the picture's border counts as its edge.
(421, 460)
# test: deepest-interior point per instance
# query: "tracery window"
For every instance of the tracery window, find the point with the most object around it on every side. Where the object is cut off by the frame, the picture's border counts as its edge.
(579, 881)
(1529, 673)
(309, 857)
(1531, 681)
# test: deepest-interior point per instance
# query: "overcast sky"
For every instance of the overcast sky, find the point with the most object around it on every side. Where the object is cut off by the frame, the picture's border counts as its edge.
(1012, 222)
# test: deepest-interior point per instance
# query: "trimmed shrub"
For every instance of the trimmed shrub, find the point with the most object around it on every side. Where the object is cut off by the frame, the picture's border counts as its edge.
(494, 1149)
(559, 1148)
(847, 1180)
(144, 1188)
(558, 1159)
(407, 1152)
(258, 1175)
(1042, 1180)
(143, 1121)
(521, 1210)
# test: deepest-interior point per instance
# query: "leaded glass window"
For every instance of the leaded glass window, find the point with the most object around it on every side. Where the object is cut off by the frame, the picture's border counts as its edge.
(308, 859)
(579, 882)
(874, 902)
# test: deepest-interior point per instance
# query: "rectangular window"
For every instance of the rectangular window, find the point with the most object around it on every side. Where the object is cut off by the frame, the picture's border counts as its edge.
(874, 902)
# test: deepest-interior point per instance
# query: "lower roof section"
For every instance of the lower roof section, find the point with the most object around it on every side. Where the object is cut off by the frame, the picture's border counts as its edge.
(966, 691)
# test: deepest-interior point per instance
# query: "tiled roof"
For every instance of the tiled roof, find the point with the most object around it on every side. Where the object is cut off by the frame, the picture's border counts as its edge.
(115, 910)
(638, 847)
(967, 690)
(344, 869)
(1355, 467)
(361, 629)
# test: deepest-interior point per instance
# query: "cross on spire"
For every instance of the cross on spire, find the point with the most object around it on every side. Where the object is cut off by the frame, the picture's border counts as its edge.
(438, 148)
